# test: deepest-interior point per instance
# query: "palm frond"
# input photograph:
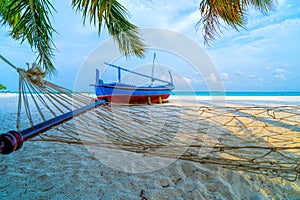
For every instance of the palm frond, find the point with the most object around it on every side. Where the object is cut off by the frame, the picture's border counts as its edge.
(232, 12)
(261, 5)
(29, 21)
(2, 87)
(114, 16)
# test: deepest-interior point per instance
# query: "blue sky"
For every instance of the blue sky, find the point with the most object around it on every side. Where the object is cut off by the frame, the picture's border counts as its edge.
(264, 57)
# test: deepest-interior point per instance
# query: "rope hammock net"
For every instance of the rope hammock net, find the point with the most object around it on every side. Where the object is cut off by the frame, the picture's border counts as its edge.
(257, 139)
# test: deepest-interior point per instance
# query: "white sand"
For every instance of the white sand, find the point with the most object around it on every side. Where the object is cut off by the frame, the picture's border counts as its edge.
(260, 100)
(60, 171)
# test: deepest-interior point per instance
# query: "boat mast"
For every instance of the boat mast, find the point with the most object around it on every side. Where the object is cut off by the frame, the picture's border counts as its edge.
(126, 70)
(152, 73)
(171, 78)
(119, 74)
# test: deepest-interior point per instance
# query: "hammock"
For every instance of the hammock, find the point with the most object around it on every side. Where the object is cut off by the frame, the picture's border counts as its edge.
(256, 139)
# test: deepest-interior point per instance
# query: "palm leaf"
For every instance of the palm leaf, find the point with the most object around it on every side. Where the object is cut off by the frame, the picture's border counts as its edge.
(261, 5)
(29, 21)
(2, 87)
(114, 16)
(232, 12)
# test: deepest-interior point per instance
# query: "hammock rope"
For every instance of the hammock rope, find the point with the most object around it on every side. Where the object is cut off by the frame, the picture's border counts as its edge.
(256, 139)
(44, 104)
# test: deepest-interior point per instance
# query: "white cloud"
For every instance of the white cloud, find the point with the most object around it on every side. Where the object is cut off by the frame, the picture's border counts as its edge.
(225, 77)
(281, 2)
(260, 79)
(238, 73)
(267, 67)
(280, 74)
(182, 83)
(180, 15)
(188, 80)
(181, 79)
(188, 22)
(251, 77)
(279, 70)
(212, 78)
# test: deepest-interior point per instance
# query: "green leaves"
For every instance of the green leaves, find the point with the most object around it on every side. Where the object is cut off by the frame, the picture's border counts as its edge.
(261, 5)
(112, 14)
(29, 21)
(232, 12)
(2, 87)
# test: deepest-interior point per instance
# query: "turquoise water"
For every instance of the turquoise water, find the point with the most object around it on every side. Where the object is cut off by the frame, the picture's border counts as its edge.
(277, 94)
(236, 93)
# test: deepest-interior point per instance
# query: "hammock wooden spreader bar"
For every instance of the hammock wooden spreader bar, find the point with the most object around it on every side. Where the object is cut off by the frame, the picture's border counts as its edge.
(13, 140)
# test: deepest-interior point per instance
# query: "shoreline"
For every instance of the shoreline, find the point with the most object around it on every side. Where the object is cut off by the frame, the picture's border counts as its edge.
(207, 97)
(262, 99)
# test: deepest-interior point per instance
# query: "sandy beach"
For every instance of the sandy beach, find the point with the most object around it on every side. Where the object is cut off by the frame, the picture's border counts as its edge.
(51, 170)
(126, 100)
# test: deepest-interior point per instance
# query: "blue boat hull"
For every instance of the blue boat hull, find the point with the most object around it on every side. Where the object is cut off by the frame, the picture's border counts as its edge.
(122, 93)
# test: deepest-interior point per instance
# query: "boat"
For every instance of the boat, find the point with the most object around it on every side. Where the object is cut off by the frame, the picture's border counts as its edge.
(119, 92)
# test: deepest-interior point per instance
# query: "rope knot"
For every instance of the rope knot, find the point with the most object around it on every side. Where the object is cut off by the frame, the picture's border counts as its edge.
(34, 74)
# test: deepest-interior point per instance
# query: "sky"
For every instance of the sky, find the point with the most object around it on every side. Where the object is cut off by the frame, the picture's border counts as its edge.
(263, 57)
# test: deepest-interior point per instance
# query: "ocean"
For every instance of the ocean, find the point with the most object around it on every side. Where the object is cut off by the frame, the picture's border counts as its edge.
(236, 94)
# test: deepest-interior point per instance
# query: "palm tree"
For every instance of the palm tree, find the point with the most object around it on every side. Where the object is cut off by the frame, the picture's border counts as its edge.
(232, 12)
(2, 87)
(29, 21)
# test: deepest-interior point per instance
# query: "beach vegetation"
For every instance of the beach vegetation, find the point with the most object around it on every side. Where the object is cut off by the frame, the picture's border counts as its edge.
(2, 87)
(231, 12)
(29, 20)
